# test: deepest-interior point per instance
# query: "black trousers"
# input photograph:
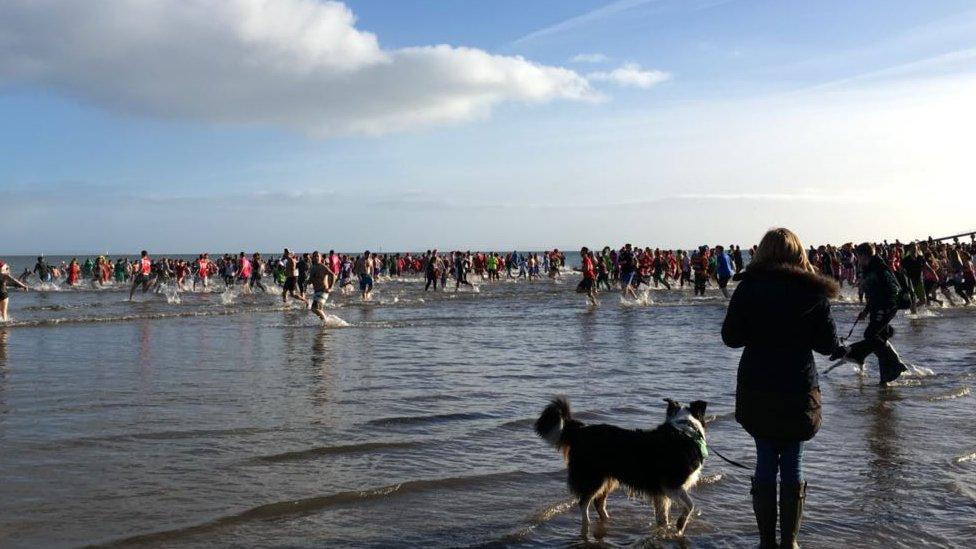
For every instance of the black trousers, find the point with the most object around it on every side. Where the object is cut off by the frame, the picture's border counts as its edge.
(876, 340)
(700, 280)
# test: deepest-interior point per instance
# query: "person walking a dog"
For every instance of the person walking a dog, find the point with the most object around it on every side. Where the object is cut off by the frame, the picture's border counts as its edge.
(884, 297)
(779, 313)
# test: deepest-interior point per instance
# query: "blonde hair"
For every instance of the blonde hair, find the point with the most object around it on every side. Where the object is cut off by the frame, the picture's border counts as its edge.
(780, 247)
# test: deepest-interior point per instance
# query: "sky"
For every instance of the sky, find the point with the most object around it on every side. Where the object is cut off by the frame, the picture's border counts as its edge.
(193, 125)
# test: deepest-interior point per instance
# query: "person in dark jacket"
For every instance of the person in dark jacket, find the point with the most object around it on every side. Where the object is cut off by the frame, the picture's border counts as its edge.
(780, 314)
(881, 290)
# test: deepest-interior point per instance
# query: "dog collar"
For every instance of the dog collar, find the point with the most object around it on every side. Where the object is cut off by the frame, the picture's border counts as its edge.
(696, 437)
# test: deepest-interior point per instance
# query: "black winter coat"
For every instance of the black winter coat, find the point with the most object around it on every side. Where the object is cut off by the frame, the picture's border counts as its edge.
(780, 316)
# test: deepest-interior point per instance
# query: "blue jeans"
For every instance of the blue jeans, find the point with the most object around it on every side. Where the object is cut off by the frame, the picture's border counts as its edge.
(786, 456)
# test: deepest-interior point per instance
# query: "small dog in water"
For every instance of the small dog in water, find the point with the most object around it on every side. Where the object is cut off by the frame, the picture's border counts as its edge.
(661, 464)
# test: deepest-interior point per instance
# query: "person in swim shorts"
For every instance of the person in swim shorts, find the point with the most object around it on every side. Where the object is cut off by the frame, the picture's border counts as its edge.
(321, 277)
(366, 275)
(291, 278)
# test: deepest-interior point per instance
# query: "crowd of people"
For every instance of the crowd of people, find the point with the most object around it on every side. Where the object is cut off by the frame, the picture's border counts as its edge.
(928, 268)
(931, 272)
(630, 267)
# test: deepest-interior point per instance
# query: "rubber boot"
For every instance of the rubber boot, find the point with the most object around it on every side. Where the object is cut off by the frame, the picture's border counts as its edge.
(791, 498)
(890, 364)
(764, 506)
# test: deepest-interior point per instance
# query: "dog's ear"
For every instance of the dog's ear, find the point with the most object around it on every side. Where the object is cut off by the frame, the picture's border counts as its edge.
(673, 407)
(697, 409)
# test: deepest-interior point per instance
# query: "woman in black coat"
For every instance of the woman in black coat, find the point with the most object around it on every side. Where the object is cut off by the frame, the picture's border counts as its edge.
(780, 313)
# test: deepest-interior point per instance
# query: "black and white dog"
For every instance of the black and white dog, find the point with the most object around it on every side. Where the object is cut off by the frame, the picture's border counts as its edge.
(661, 464)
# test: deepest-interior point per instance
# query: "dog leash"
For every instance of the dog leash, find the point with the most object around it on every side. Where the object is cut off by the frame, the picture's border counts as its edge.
(843, 340)
(850, 333)
(730, 461)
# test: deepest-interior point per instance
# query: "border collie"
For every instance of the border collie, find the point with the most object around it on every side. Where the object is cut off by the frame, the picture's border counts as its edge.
(661, 464)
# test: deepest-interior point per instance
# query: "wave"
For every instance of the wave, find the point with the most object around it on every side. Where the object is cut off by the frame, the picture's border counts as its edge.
(312, 453)
(957, 393)
(524, 423)
(966, 458)
(301, 507)
(59, 307)
(535, 520)
(585, 415)
(159, 436)
(434, 418)
(434, 397)
(128, 318)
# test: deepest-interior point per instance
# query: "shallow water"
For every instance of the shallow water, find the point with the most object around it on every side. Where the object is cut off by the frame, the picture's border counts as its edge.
(223, 419)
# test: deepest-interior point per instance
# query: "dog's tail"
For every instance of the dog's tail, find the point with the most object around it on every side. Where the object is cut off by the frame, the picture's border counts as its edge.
(556, 424)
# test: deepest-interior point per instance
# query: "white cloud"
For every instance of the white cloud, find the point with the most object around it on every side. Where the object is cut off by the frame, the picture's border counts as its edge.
(300, 64)
(631, 74)
(589, 58)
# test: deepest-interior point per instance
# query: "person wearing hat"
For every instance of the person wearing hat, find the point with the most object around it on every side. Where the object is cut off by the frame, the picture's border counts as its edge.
(5, 279)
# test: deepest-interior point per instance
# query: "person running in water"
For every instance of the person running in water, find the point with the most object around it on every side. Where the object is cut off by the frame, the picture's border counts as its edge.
(203, 272)
(118, 271)
(335, 263)
(244, 269)
(588, 284)
(366, 275)
(257, 273)
(723, 270)
(882, 291)
(661, 270)
(303, 266)
(290, 286)
(699, 264)
(42, 270)
(6, 279)
(143, 276)
(430, 270)
(491, 263)
(74, 272)
(460, 271)
(321, 277)
(603, 270)
(628, 271)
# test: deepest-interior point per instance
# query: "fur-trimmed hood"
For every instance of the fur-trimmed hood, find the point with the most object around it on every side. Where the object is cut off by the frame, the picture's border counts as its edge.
(816, 283)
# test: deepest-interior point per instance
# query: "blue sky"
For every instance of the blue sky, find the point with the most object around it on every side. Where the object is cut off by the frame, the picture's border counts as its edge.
(411, 124)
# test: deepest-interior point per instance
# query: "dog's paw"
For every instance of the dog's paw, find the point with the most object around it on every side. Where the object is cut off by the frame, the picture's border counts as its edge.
(679, 527)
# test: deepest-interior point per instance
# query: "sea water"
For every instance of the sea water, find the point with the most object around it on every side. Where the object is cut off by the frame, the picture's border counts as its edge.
(194, 419)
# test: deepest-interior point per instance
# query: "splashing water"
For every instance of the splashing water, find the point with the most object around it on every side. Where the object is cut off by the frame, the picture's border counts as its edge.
(643, 300)
(172, 295)
(227, 297)
(918, 371)
(332, 321)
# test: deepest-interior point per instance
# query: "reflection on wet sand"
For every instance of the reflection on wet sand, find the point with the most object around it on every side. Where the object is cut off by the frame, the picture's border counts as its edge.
(320, 371)
(886, 467)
